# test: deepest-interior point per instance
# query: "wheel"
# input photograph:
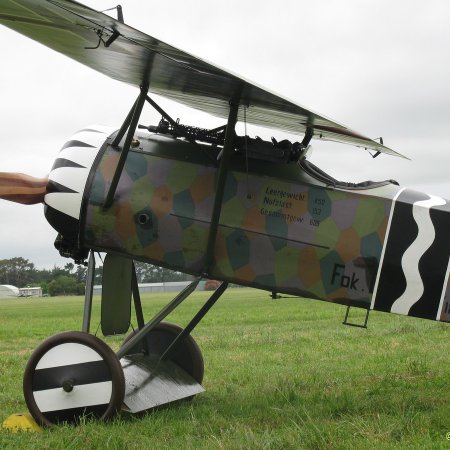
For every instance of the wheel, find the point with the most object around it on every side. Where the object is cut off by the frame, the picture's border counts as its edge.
(73, 375)
(187, 354)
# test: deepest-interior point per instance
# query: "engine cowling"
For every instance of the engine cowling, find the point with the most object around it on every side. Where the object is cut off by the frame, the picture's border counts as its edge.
(66, 186)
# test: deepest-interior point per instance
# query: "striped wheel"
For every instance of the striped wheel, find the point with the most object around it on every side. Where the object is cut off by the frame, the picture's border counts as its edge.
(73, 375)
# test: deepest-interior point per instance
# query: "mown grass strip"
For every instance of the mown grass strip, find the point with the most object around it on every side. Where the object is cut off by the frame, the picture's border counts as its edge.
(280, 374)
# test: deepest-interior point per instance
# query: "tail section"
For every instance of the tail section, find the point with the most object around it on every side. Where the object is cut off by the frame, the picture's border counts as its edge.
(414, 270)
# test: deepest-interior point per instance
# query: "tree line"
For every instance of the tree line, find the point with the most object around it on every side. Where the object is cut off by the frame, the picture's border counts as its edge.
(70, 279)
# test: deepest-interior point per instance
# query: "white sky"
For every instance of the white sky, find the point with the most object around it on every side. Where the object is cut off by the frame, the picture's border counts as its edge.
(381, 67)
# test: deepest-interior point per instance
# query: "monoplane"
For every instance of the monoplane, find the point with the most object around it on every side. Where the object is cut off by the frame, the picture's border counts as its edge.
(209, 203)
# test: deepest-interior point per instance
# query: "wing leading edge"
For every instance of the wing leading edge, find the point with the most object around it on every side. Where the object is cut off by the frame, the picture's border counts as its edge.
(136, 58)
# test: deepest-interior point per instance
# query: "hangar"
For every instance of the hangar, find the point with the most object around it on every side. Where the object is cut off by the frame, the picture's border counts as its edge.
(8, 291)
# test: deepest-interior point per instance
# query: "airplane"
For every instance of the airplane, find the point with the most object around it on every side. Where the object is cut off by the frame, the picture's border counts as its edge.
(209, 203)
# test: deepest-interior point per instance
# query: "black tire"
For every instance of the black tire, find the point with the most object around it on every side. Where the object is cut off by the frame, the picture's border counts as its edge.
(73, 375)
(187, 355)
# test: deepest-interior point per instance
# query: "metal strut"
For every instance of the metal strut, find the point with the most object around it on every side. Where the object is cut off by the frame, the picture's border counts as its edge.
(137, 298)
(351, 324)
(158, 318)
(89, 293)
(220, 185)
(129, 124)
(138, 305)
(196, 319)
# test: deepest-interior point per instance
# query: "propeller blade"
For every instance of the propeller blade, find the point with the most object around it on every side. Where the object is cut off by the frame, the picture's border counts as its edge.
(21, 188)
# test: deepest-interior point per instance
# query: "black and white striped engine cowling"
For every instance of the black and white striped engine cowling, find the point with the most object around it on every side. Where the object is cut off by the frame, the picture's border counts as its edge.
(68, 178)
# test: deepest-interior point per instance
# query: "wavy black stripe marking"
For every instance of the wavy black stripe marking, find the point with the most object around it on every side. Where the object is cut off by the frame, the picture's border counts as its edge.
(53, 186)
(433, 265)
(402, 233)
(75, 143)
(63, 162)
(84, 373)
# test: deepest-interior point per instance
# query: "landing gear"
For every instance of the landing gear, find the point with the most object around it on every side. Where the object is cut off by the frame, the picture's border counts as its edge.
(73, 375)
(187, 354)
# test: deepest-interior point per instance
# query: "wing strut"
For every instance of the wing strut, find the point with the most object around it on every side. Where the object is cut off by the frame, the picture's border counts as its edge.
(129, 124)
(220, 184)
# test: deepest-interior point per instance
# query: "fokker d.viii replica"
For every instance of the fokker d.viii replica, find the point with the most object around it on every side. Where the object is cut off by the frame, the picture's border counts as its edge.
(208, 203)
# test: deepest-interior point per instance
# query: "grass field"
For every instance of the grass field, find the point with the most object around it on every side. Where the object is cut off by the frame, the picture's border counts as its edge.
(279, 374)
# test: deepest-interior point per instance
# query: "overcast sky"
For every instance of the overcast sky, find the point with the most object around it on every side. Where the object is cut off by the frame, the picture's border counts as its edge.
(380, 67)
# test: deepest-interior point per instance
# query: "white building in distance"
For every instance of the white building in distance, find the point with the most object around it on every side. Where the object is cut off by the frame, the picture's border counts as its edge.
(9, 291)
(30, 292)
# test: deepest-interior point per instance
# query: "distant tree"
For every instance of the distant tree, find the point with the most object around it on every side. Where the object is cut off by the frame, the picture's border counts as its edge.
(80, 273)
(148, 273)
(69, 267)
(65, 285)
(16, 271)
(56, 271)
(70, 279)
(141, 271)
(42, 276)
(44, 286)
(98, 275)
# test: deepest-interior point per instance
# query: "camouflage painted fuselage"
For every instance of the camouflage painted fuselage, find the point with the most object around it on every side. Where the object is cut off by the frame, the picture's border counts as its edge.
(280, 229)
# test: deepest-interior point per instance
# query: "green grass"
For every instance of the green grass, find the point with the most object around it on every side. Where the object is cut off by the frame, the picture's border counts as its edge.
(279, 374)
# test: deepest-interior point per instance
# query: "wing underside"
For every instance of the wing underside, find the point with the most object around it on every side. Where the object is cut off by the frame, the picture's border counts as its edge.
(136, 58)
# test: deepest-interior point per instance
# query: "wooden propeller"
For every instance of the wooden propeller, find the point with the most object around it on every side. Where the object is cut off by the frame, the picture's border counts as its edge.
(21, 188)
